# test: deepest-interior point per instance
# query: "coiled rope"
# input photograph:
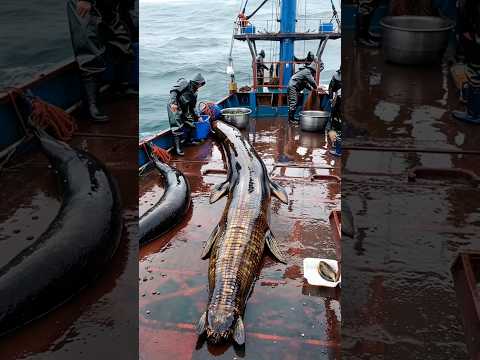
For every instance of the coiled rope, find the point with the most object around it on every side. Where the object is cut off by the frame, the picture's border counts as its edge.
(44, 115)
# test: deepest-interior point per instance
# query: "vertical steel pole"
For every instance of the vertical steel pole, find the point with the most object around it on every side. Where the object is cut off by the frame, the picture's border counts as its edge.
(288, 17)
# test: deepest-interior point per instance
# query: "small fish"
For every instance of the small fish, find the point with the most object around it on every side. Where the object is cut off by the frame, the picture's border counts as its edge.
(327, 272)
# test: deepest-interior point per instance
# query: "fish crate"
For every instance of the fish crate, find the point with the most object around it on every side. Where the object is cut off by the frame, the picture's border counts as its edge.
(466, 277)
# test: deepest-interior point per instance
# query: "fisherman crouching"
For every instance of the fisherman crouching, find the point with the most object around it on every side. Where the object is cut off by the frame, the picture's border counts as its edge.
(303, 79)
(181, 110)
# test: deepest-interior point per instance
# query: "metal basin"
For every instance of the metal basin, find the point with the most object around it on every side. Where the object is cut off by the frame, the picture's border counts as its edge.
(238, 117)
(415, 39)
(313, 120)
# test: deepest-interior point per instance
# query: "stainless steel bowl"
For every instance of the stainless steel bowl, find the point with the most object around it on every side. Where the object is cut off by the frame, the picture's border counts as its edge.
(238, 116)
(313, 120)
(415, 39)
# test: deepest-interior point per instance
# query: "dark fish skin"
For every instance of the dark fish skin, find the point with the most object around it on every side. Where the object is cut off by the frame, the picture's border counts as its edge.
(240, 238)
(170, 208)
(74, 249)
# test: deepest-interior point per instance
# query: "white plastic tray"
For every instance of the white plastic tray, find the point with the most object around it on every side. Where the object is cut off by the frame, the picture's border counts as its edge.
(310, 271)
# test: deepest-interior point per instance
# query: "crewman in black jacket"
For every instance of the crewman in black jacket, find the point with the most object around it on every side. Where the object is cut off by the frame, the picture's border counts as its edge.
(303, 79)
(181, 108)
(260, 67)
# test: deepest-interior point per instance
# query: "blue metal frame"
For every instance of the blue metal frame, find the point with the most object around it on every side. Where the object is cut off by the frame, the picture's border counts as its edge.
(287, 25)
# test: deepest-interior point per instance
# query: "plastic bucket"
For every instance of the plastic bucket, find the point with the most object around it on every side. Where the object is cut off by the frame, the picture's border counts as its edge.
(202, 127)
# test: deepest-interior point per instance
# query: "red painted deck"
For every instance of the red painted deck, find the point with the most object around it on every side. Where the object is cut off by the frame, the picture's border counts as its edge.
(285, 318)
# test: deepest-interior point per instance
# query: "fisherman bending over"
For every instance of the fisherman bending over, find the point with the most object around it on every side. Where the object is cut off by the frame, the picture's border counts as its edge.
(181, 109)
(303, 79)
(260, 67)
(470, 38)
(308, 60)
(94, 25)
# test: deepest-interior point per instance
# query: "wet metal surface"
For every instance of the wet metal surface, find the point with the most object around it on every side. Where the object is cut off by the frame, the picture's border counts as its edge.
(102, 317)
(398, 292)
(285, 317)
(407, 106)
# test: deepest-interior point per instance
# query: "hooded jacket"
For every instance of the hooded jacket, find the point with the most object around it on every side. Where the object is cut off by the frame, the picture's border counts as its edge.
(184, 95)
(303, 79)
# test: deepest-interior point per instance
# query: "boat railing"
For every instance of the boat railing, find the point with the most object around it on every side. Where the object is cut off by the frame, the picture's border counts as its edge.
(273, 78)
(304, 25)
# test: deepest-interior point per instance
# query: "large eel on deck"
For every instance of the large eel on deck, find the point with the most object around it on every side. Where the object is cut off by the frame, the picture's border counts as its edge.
(170, 208)
(237, 244)
(74, 249)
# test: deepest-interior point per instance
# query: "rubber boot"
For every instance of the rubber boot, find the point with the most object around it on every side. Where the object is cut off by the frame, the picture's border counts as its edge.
(121, 85)
(178, 145)
(337, 148)
(375, 36)
(91, 93)
(363, 37)
(472, 115)
(291, 117)
(190, 132)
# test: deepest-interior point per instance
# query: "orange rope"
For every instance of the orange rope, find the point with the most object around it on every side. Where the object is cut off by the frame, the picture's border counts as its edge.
(161, 154)
(46, 116)
(50, 116)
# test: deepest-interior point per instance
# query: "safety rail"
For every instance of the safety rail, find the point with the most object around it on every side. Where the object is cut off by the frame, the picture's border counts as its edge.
(304, 25)
(273, 78)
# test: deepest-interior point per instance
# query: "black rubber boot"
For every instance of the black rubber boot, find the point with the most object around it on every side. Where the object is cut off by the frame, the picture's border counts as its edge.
(178, 145)
(472, 113)
(375, 36)
(121, 85)
(91, 93)
(291, 117)
(363, 37)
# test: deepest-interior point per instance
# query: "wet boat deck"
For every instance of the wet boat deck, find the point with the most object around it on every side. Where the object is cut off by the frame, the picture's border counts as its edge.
(285, 317)
(105, 310)
(398, 290)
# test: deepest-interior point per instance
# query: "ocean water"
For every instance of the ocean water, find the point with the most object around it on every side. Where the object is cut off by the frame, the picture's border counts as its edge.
(179, 38)
(35, 38)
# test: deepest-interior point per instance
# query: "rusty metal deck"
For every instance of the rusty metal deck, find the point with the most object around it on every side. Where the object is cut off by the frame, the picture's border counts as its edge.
(398, 291)
(285, 318)
(103, 316)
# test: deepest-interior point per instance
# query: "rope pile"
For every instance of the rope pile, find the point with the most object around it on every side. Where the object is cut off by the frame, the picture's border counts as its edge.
(162, 154)
(48, 116)
(45, 115)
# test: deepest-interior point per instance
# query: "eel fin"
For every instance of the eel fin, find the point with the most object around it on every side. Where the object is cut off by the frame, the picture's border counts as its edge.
(279, 192)
(219, 191)
(239, 332)
(209, 244)
(274, 248)
(201, 325)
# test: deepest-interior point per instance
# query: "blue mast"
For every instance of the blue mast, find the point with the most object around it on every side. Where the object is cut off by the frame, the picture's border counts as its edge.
(288, 16)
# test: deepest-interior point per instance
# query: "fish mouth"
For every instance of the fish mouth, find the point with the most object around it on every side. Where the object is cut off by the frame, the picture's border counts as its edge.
(216, 338)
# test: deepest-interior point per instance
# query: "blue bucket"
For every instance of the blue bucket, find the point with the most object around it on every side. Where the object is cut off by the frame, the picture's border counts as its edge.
(250, 29)
(202, 127)
(326, 27)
